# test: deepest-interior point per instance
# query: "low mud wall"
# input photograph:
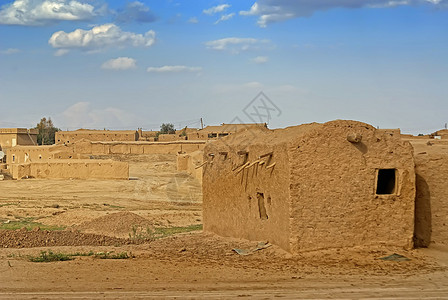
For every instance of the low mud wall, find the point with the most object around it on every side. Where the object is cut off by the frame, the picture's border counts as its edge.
(72, 169)
(191, 163)
(104, 148)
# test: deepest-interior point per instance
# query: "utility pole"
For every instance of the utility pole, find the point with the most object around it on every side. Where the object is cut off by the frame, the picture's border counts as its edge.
(202, 124)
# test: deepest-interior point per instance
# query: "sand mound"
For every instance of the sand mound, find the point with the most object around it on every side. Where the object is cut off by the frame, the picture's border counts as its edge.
(23, 238)
(120, 224)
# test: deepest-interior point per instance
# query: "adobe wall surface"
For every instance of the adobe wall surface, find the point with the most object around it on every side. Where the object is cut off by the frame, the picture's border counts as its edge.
(191, 163)
(431, 207)
(333, 188)
(243, 198)
(74, 169)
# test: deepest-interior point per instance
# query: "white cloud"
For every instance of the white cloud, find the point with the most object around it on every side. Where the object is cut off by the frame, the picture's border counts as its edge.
(193, 20)
(236, 45)
(216, 9)
(10, 51)
(270, 11)
(135, 12)
(42, 12)
(120, 63)
(252, 85)
(225, 17)
(82, 115)
(99, 37)
(260, 59)
(173, 69)
(61, 52)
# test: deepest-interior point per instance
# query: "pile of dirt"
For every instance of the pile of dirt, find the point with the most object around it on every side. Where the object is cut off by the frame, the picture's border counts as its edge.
(23, 238)
(121, 225)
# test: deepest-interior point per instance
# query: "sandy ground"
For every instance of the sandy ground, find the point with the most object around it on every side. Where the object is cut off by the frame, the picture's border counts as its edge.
(189, 265)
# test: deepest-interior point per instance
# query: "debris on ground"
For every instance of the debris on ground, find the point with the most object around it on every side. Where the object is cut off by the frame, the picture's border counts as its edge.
(260, 246)
(395, 257)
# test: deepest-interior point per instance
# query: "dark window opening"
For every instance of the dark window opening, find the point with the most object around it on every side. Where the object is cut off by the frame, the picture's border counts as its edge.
(386, 183)
(262, 207)
(212, 135)
(223, 134)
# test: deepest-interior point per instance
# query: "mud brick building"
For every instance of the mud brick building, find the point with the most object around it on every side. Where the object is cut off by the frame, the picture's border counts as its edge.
(309, 187)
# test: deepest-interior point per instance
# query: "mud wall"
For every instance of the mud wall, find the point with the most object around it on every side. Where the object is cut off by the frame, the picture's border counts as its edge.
(242, 197)
(198, 135)
(69, 137)
(191, 163)
(19, 155)
(104, 148)
(334, 199)
(23, 154)
(431, 205)
(75, 169)
(170, 137)
(84, 148)
(6, 139)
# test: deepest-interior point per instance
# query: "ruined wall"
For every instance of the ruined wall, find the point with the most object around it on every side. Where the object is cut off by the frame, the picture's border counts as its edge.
(431, 206)
(334, 200)
(241, 196)
(72, 169)
(191, 163)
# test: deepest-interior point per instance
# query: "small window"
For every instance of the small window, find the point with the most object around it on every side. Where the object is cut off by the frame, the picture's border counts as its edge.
(386, 182)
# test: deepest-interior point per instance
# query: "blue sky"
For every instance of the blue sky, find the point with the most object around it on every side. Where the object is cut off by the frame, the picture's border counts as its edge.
(128, 64)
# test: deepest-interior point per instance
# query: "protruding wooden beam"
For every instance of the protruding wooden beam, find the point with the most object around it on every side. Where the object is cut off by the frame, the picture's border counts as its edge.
(270, 166)
(267, 154)
(201, 165)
